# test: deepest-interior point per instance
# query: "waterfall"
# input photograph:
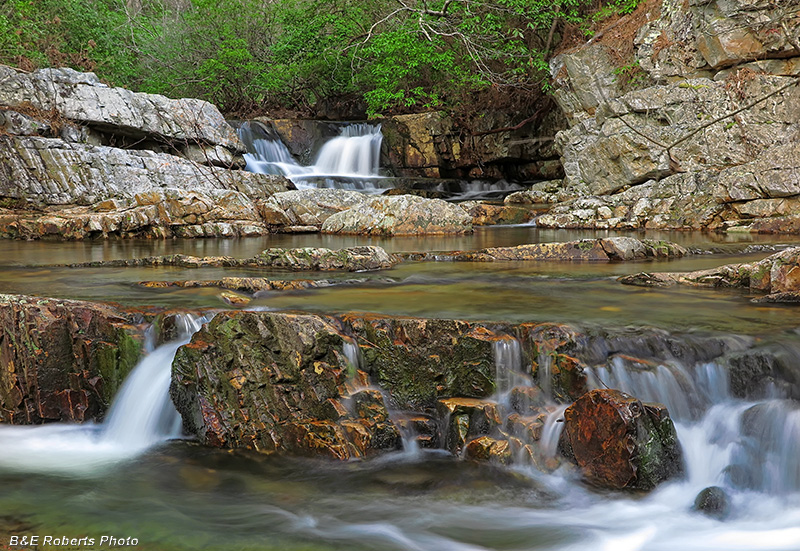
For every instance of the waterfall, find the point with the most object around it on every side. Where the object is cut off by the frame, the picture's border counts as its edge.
(741, 445)
(350, 160)
(508, 367)
(142, 413)
(140, 416)
(355, 152)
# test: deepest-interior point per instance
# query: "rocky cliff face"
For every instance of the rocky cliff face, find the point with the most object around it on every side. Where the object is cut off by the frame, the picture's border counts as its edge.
(495, 146)
(709, 136)
(80, 159)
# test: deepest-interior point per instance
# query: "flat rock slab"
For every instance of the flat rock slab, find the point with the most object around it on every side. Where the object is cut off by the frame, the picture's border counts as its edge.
(257, 285)
(612, 249)
(778, 275)
(353, 259)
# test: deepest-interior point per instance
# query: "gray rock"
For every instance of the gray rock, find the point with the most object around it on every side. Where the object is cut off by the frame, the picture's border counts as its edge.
(312, 207)
(81, 97)
(400, 215)
(45, 171)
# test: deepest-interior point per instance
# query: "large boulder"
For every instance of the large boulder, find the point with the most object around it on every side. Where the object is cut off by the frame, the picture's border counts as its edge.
(619, 442)
(311, 207)
(400, 215)
(82, 98)
(62, 360)
(278, 382)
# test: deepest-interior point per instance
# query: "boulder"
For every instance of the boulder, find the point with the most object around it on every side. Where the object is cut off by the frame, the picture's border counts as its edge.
(487, 214)
(400, 215)
(620, 443)
(82, 98)
(311, 207)
(277, 383)
(713, 502)
(63, 360)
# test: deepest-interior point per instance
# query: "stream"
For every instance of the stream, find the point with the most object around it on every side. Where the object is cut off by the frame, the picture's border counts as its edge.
(172, 494)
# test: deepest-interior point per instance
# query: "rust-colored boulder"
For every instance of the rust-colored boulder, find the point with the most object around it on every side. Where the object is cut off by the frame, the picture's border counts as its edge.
(619, 442)
(62, 360)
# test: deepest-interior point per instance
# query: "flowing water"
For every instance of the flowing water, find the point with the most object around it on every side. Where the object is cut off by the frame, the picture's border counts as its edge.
(141, 416)
(126, 478)
(350, 160)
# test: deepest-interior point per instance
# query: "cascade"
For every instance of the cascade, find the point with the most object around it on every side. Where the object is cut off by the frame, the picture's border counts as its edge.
(739, 444)
(350, 160)
(142, 413)
(140, 417)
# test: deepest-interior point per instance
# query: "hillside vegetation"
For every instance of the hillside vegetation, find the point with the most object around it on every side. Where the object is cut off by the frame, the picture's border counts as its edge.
(249, 56)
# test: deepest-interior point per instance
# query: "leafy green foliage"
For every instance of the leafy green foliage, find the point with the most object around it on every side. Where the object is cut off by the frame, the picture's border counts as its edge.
(248, 55)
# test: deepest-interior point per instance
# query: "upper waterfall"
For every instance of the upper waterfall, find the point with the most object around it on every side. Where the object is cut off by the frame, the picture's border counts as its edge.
(350, 160)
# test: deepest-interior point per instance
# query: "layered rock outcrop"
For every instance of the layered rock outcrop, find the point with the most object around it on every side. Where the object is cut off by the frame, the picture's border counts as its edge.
(494, 146)
(81, 160)
(62, 360)
(708, 140)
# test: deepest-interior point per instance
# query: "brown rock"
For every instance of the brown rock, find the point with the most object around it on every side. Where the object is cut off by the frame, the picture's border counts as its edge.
(618, 442)
(62, 360)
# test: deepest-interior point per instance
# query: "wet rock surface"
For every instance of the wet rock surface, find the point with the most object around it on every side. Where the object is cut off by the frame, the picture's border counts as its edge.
(619, 442)
(292, 387)
(610, 249)
(63, 360)
(400, 215)
(352, 259)
(713, 502)
(778, 275)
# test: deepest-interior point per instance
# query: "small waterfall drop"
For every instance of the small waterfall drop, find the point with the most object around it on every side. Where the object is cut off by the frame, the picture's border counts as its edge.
(741, 445)
(355, 152)
(141, 416)
(142, 413)
(350, 160)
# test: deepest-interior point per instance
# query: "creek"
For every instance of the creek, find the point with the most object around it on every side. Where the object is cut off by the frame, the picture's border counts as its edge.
(134, 476)
(177, 495)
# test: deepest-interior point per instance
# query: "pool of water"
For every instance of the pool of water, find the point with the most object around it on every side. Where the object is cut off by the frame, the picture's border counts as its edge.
(180, 496)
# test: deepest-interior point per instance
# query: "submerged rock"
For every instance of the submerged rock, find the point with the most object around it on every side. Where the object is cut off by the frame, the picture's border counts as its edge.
(62, 360)
(713, 502)
(619, 442)
(400, 215)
